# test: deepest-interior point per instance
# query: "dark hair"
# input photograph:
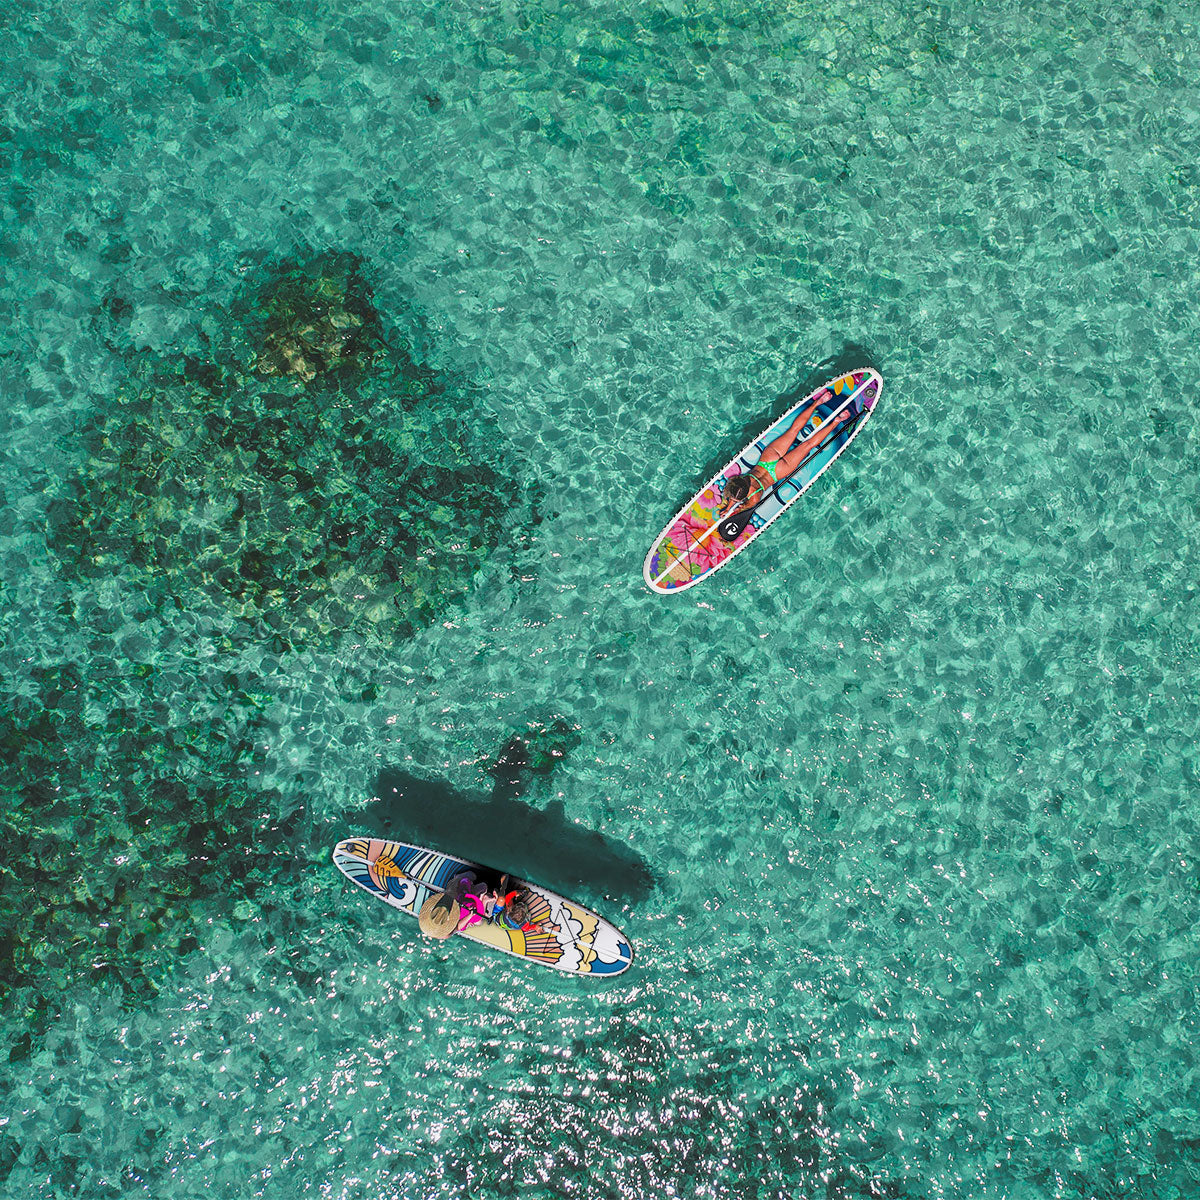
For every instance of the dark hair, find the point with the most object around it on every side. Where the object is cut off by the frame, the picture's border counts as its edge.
(738, 488)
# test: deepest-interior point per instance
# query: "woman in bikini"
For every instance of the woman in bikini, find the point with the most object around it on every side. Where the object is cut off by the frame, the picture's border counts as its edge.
(777, 461)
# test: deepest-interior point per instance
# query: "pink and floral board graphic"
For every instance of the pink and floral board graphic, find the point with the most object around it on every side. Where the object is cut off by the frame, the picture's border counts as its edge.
(770, 474)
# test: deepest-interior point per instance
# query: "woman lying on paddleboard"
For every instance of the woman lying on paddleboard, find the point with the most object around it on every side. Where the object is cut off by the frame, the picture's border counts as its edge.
(777, 461)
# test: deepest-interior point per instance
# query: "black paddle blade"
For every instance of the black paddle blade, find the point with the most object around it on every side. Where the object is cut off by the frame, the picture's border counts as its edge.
(731, 529)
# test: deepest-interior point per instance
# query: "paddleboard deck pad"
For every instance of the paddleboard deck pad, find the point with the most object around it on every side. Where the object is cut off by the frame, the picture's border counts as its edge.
(569, 938)
(691, 548)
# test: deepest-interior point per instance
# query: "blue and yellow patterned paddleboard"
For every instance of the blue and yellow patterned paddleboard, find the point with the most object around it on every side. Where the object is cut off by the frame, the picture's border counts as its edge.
(569, 937)
(691, 547)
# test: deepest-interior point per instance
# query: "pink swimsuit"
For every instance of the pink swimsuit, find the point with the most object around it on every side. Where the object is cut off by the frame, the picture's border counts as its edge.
(473, 918)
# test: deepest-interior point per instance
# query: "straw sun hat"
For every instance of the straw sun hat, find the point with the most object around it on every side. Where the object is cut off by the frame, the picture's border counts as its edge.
(439, 916)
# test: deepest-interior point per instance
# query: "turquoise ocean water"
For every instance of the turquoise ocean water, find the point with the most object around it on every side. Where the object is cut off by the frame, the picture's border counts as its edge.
(352, 355)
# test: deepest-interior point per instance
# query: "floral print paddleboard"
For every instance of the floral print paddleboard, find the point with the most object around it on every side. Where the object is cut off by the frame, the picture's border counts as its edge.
(691, 548)
(568, 936)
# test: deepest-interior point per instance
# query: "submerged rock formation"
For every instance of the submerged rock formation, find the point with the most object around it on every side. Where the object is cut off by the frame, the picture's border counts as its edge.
(126, 831)
(310, 475)
(717, 1113)
(317, 316)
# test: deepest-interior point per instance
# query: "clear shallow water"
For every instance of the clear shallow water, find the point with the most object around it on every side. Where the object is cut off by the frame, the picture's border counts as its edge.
(918, 794)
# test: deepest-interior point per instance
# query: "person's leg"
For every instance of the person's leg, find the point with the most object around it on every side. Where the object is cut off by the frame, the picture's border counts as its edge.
(779, 447)
(793, 458)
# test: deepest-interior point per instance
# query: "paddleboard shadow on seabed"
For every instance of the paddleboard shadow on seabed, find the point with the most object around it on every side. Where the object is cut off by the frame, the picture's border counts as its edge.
(500, 830)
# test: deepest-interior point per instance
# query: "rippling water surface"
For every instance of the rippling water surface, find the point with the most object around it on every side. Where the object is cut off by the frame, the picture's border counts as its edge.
(352, 355)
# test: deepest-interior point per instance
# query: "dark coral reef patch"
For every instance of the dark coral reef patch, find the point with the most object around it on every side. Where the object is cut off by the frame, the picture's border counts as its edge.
(126, 828)
(671, 1110)
(536, 750)
(309, 474)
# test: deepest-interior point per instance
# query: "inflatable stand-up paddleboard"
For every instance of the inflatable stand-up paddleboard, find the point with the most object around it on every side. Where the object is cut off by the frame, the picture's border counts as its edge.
(699, 541)
(569, 937)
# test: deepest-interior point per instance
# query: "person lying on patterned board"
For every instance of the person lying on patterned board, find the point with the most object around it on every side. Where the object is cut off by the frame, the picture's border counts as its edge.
(517, 912)
(778, 461)
(483, 905)
(481, 897)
